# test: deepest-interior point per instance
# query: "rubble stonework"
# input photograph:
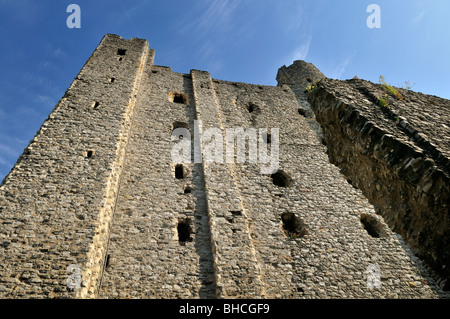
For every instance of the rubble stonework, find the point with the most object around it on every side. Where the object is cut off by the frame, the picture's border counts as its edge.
(398, 155)
(96, 208)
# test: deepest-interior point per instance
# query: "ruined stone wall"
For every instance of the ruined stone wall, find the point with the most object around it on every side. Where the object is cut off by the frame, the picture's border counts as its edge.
(397, 154)
(330, 255)
(98, 188)
(56, 204)
(298, 76)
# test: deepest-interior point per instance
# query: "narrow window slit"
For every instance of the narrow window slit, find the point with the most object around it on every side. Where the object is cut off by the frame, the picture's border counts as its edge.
(121, 52)
(184, 229)
(180, 130)
(179, 124)
(95, 105)
(179, 171)
(107, 260)
(89, 153)
(268, 138)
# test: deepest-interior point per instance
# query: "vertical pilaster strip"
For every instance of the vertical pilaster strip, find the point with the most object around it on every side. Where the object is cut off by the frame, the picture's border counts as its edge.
(99, 246)
(237, 272)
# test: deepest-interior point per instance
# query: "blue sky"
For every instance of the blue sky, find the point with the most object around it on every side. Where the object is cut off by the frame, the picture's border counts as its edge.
(244, 41)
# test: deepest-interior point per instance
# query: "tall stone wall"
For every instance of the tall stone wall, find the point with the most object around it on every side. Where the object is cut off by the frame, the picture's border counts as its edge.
(146, 257)
(56, 205)
(98, 195)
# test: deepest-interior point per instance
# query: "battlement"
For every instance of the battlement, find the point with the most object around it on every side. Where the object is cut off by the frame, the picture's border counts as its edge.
(97, 207)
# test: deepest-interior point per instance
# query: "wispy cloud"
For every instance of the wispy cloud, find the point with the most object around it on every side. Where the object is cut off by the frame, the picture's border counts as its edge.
(301, 52)
(419, 17)
(341, 68)
(58, 53)
(41, 81)
(8, 151)
(4, 162)
(215, 15)
(128, 14)
(46, 100)
(292, 16)
(214, 24)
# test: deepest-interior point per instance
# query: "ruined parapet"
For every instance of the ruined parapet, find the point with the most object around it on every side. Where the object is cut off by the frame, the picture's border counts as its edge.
(300, 73)
(393, 145)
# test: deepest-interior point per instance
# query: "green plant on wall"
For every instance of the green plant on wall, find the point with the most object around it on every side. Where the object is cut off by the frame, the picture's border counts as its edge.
(312, 87)
(383, 100)
(390, 89)
(407, 85)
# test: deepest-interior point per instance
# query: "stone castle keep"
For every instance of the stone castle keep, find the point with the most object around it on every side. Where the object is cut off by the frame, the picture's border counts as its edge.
(358, 207)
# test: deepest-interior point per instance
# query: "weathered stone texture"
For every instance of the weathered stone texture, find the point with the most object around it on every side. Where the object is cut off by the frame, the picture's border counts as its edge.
(56, 204)
(97, 188)
(146, 259)
(398, 155)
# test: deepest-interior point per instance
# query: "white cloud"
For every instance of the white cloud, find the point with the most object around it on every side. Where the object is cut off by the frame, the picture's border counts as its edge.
(8, 151)
(215, 67)
(4, 162)
(58, 53)
(292, 16)
(301, 52)
(340, 69)
(209, 15)
(48, 101)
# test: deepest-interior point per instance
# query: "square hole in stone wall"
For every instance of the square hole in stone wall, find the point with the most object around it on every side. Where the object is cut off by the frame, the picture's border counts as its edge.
(293, 226)
(184, 229)
(177, 97)
(372, 225)
(281, 179)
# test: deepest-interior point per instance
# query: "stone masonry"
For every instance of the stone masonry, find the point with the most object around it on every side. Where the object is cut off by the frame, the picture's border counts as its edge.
(97, 208)
(398, 155)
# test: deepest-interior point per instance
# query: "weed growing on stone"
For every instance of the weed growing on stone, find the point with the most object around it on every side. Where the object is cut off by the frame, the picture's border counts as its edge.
(312, 88)
(383, 101)
(407, 85)
(390, 89)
